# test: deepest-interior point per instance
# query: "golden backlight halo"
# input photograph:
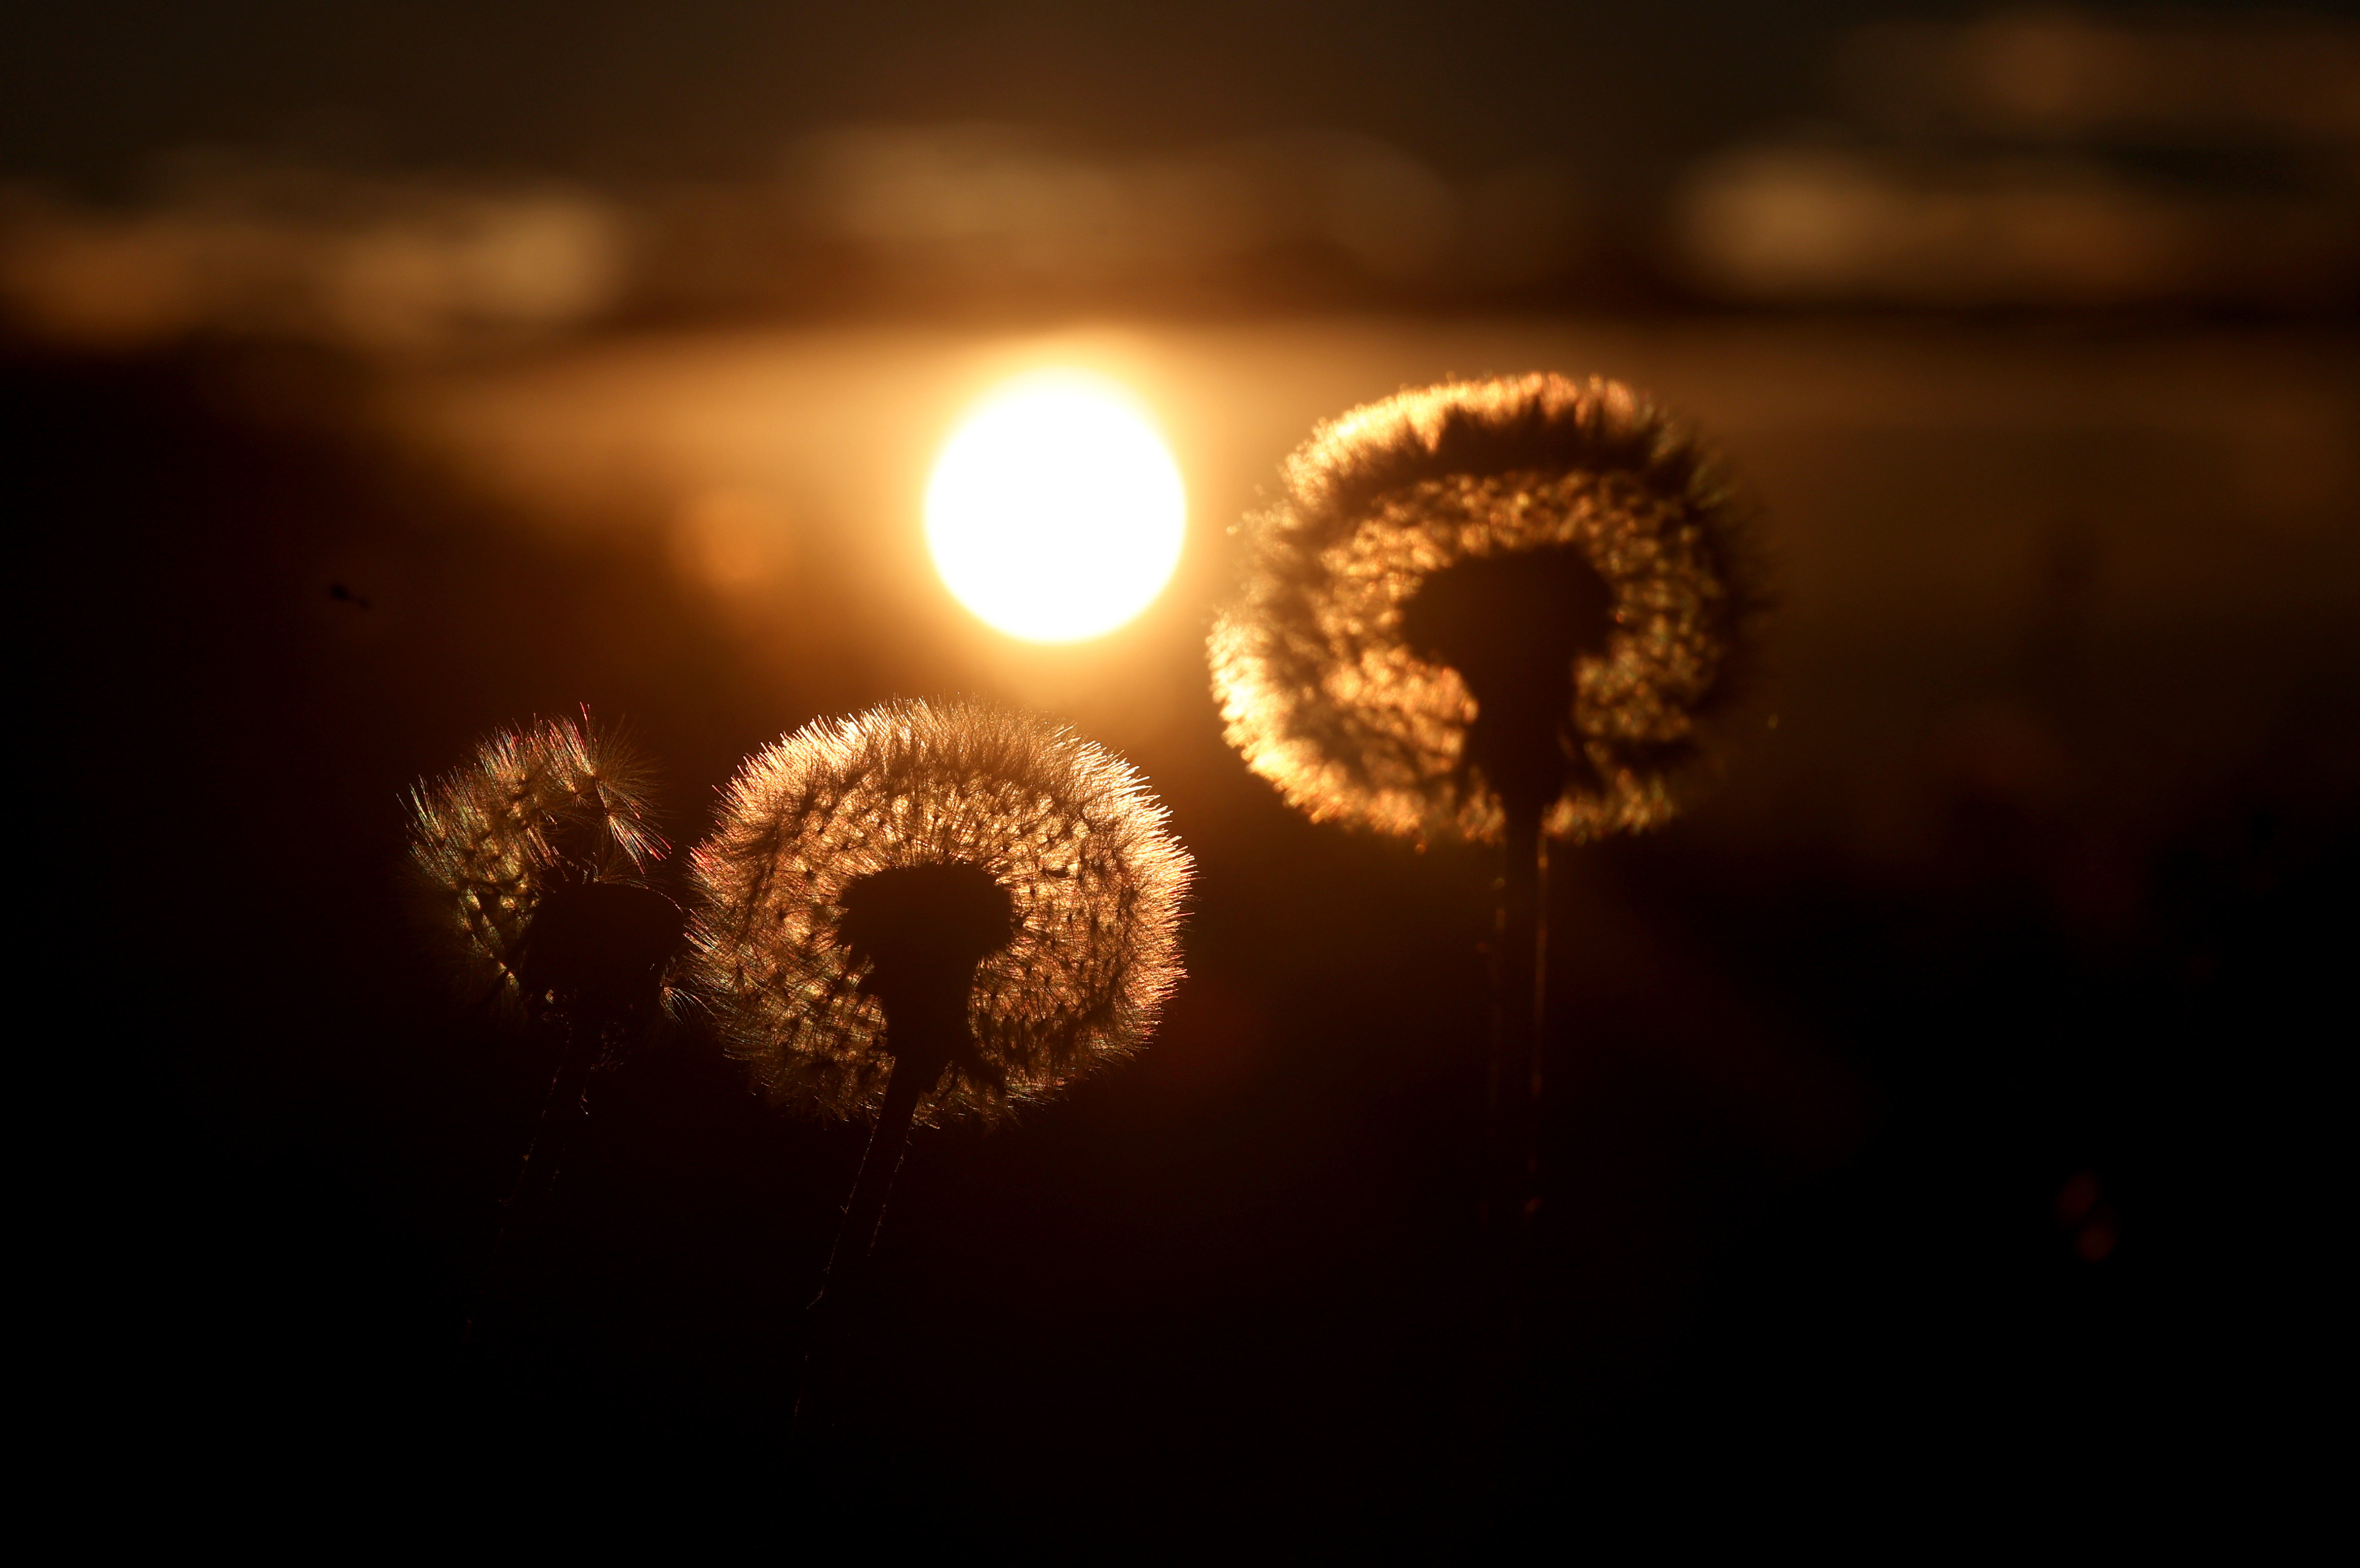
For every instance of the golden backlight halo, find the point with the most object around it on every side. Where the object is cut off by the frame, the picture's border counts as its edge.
(1055, 512)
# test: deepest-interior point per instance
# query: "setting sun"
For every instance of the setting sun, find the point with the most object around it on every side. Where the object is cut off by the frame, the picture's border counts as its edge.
(1055, 513)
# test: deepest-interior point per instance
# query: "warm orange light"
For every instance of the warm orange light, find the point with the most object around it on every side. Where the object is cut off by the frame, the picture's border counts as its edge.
(1055, 513)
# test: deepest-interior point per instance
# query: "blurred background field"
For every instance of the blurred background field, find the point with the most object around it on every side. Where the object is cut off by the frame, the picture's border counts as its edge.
(1944, 1103)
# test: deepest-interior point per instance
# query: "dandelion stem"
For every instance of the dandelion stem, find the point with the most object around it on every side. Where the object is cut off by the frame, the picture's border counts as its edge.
(856, 1237)
(863, 1211)
(563, 1111)
(1520, 971)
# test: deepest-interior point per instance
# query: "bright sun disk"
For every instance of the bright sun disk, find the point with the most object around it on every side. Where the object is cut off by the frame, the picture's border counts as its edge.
(1054, 512)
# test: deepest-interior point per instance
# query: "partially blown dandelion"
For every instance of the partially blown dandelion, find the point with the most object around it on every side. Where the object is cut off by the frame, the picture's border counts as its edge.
(1483, 590)
(534, 858)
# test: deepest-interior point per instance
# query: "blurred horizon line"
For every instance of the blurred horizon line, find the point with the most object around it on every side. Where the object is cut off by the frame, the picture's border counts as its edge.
(2018, 161)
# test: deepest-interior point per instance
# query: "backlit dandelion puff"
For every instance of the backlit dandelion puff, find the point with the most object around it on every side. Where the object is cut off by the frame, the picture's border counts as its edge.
(1502, 611)
(1052, 907)
(533, 858)
(526, 851)
(1329, 689)
(926, 912)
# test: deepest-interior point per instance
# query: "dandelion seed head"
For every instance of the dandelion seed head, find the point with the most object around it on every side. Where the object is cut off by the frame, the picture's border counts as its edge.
(1327, 691)
(997, 837)
(533, 856)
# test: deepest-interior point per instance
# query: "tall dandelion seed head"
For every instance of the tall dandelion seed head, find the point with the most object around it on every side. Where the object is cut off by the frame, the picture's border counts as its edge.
(528, 843)
(1040, 859)
(1327, 693)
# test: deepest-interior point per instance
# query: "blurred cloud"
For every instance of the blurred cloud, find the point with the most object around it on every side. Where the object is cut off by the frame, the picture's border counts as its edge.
(2051, 158)
(233, 246)
(1803, 223)
(2056, 72)
(2036, 159)
(978, 205)
(922, 217)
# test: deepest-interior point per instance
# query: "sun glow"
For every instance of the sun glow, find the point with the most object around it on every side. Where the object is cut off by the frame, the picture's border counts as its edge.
(1055, 513)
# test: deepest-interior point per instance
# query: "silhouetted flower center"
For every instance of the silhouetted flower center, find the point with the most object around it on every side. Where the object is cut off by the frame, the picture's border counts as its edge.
(1511, 626)
(922, 930)
(600, 947)
(535, 855)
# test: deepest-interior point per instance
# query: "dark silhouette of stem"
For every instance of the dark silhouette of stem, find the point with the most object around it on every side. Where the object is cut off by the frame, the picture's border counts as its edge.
(923, 929)
(863, 1211)
(1520, 979)
(1514, 625)
(563, 1111)
(830, 1311)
